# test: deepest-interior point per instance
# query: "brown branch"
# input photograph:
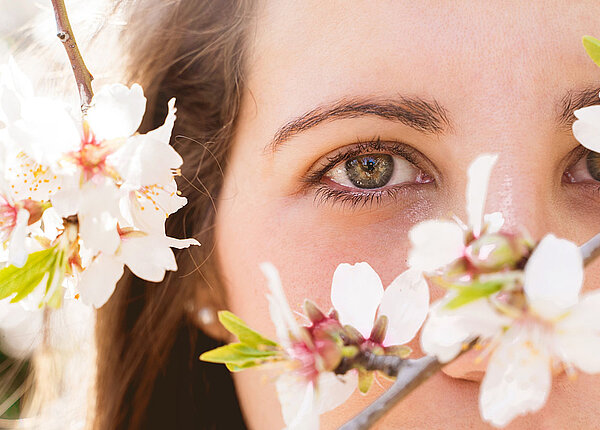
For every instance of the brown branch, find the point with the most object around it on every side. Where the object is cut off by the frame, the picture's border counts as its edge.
(83, 77)
(411, 374)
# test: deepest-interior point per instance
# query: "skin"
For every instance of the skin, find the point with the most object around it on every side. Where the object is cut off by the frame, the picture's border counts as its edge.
(499, 69)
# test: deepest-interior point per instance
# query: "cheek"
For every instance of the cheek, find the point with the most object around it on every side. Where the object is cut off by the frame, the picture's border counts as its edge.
(306, 244)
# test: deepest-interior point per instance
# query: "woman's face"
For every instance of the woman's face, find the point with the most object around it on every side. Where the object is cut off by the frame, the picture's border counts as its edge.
(359, 119)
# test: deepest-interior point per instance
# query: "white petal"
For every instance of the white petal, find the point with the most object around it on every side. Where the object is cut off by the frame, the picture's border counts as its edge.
(116, 111)
(578, 334)
(99, 279)
(517, 380)
(46, 131)
(333, 390)
(445, 331)
(149, 209)
(17, 251)
(181, 243)
(587, 129)
(99, 231)
(356, 291)
(478, 178)
(580, 348)
(584, 315)
(554, 276)
(145, 161)
(163, 133)
(405, 302)
(148, 257)
(279, 308)
(298, 402)
(434, 244)
(494, 222)
(20, 331)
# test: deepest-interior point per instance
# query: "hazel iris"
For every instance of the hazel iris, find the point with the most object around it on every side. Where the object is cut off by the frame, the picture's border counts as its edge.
(370, 170)
(593, 164)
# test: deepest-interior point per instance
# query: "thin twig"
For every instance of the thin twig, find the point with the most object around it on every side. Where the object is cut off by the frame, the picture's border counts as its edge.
(412, 373)
(409, 375)
(83, 77)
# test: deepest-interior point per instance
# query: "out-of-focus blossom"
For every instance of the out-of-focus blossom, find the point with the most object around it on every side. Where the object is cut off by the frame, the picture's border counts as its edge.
(538, 322)
(437, 243)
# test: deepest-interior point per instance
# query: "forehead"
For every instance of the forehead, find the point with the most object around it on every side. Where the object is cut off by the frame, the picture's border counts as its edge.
(496, 53)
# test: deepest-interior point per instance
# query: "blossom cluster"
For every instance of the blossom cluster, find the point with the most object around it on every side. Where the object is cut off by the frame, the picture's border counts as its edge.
(82, 197)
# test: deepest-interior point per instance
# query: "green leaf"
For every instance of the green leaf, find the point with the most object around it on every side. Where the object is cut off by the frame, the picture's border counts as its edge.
(238, 354)
(21, 281)
(244, 333)
(592, 46)
(475, 291)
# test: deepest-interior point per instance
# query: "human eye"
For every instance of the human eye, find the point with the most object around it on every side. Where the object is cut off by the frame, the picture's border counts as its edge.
(369, 173)
(585, 170)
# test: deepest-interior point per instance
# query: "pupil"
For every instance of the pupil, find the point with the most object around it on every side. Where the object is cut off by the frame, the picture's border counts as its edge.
(593, 165)
(370, 170)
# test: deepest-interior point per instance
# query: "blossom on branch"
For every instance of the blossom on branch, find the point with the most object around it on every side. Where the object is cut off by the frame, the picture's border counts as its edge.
(113, 188)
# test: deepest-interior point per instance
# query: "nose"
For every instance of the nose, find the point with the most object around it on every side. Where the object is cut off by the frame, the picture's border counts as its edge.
(523, 194)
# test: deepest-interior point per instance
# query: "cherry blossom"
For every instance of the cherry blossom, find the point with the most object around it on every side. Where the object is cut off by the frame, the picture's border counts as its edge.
(436, 243)
(111, 188)
(526, 331)
(358, 296)
(307, 388)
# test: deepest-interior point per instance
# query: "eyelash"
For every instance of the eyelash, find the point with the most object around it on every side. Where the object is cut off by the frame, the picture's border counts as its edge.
(360, 199)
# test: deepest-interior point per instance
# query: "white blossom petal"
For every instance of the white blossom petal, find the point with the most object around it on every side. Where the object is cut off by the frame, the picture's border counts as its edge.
(116, 111)
(356, 292)
(494, 222)
(435, 244)
(580, 348)
(333, 390)
(478, 178)
(405, 303)
(46, 132)
(148, 257)
(553, 276)
(298, 402)
(20, 329)
(587, 129)
(98, 280)
(577, 335)
(518, 378)
(445, 331)
(584, 315)
(279, 308)
(17, 251)
(144, 161)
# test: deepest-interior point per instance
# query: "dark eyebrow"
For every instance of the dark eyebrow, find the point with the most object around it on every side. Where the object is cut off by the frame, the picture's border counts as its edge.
(573, 100)
(417, 113)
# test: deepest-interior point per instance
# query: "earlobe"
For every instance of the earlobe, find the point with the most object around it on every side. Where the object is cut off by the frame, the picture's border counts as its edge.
(202, 312)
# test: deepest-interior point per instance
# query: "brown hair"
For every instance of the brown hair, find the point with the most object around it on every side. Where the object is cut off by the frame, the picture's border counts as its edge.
(149, 375)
